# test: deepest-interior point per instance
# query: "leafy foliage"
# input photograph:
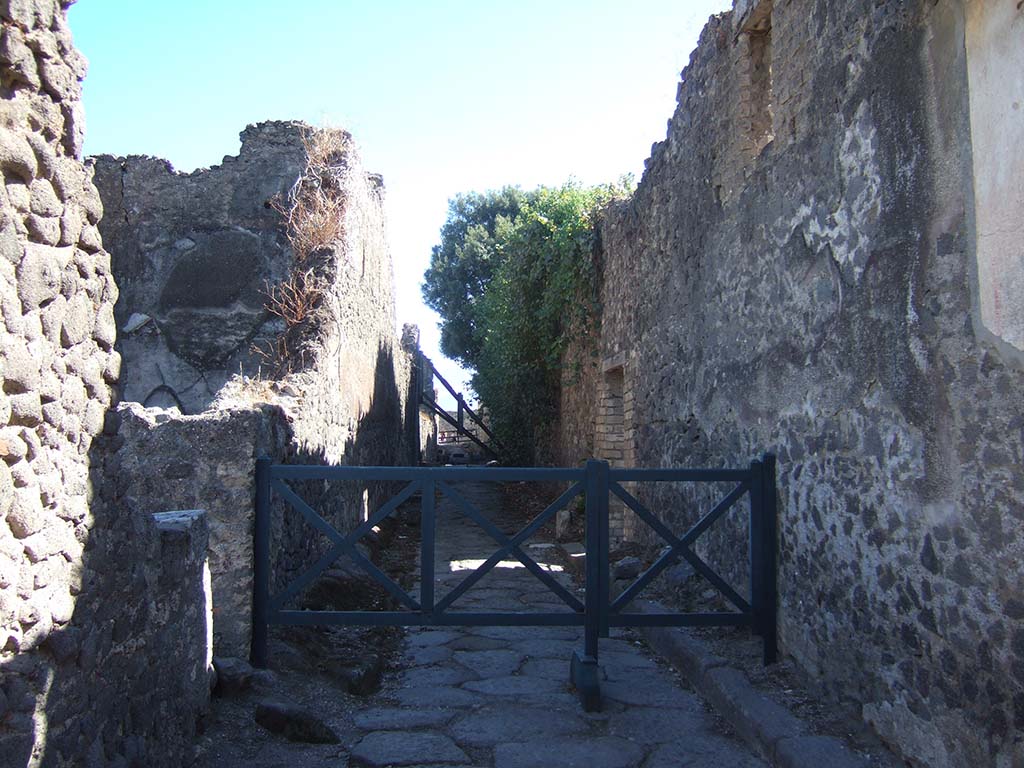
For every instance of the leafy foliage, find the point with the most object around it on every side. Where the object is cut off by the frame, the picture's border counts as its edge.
(462, 266)
(515, 280)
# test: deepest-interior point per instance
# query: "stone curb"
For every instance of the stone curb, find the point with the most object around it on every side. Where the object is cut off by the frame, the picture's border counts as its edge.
(774, 732)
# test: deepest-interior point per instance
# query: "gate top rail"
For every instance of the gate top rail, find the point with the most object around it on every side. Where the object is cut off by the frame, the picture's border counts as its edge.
(497, 474)
(501, 474)
(680, 475)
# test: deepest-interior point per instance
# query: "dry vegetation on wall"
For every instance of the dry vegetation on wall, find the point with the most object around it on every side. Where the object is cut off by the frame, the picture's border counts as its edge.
(314, 218)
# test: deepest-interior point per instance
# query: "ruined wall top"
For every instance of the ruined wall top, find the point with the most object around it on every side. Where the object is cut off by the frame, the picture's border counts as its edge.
(197, 256)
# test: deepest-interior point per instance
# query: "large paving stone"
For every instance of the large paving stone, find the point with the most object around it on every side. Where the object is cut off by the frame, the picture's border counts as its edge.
(439, 696)
(427, 637)
(427, 655)
(494, 595)
(395, 719)
(645, 690)
(395, 748)
(512, 723)
(647, 725)
(421, 677)
(515, 685)
(477, 643)
(627, 662)
(552, 669)
(530, 633)
(549, 648)
(550, 605)
(601, 752)
(496, 663)
(620, 644)
(703, 751)
(490, 605)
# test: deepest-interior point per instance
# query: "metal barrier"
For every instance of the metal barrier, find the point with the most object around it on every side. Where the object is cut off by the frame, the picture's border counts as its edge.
(426, 375)
(596, 482)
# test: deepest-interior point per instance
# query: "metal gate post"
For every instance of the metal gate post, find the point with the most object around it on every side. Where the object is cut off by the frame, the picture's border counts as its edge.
(769, 538)
(583, 671)
(762, 553)
(604, 546)
(261, 564)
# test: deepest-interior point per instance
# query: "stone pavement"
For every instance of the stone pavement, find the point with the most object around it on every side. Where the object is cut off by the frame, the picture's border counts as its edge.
(499, 696)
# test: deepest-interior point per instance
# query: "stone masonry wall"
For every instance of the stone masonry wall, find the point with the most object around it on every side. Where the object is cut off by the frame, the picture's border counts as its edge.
(208, 459)
(574, 437)
(193, 255)
(345, 402)
(817, 297)
(103, 627)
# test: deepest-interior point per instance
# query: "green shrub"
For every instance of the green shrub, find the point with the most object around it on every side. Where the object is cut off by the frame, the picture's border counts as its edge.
(515, 280)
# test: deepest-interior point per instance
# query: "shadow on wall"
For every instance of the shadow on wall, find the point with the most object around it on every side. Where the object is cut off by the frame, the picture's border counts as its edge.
(386, 434)
(125, 679)
(207, 461)
(383, 431)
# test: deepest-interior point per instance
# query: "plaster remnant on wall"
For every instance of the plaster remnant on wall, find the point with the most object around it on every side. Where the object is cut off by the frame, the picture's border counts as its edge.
(995, 63)
(195, 252)
(846, 229)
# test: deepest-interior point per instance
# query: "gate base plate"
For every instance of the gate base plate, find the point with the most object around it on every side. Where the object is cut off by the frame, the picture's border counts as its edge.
(584, 674)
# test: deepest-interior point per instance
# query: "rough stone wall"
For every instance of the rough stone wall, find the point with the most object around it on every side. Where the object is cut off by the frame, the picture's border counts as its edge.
(346, 400)
(103, 651)
(194, 253)
(183, 462)
(817, 297)
(574, 437)
(352, 395)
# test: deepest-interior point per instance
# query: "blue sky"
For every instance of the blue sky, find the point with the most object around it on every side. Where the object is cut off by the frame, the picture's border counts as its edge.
(442, 97)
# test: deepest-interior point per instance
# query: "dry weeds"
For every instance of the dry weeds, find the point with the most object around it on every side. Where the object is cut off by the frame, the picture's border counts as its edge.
(313, 212)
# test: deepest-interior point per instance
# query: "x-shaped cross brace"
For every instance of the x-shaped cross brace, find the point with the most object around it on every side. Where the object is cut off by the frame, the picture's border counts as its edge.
(510, 546)
(680, 547)
(342, 545)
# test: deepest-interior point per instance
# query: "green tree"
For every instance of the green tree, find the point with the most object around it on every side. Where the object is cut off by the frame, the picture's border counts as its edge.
(462, 265)
(518, 287)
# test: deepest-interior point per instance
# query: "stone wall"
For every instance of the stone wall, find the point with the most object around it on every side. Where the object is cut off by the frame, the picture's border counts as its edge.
(574, 437)
(193, 255)
(103, 627)
(817, 296)
(345, 399)
(208, 459)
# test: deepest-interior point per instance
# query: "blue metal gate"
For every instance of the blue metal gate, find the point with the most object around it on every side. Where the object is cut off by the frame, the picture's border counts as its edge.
(596, 482)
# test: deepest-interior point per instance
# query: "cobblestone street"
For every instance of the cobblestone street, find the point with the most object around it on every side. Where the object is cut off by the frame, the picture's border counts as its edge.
(500, 695)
